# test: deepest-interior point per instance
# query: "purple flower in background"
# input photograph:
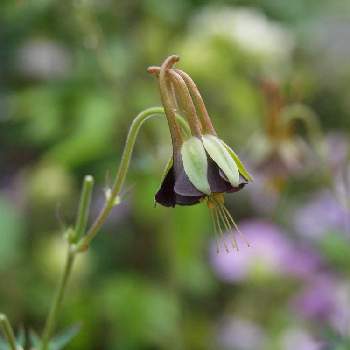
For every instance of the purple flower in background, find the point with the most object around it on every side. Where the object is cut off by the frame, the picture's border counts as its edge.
(342, 192)
(299, 339)
(319, 215)
(340, 318)
(267, 251)
(316, 300)
(325, 299)
(302, 262)
(240, 334)
(271, 252)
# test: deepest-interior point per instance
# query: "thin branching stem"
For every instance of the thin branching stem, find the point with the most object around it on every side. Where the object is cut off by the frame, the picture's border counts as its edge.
(55, 306)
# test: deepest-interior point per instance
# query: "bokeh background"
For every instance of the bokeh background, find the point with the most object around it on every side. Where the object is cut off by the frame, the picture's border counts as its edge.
(72, 77)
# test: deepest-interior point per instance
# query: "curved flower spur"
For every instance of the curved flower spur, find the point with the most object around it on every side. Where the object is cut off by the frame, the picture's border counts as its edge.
(203, 167)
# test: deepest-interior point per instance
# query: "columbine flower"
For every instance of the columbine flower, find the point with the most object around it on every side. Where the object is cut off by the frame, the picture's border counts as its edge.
(203, 167)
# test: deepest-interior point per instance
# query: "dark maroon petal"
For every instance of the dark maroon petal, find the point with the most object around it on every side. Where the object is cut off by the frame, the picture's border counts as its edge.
(166, 195)
(189, 200)
(217, 182)
(242, 183)
(183, 185)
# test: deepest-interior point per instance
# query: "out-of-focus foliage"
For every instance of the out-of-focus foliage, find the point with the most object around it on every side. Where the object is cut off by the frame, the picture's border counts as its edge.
(72, 77)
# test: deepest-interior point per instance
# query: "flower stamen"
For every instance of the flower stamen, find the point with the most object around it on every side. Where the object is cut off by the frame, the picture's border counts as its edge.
(223, 220)
(219, 229)
(228, 226)
(217, 238)
(236, 226)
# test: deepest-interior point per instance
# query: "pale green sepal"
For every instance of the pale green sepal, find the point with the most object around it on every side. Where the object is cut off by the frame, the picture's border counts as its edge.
(221, 156)
(241, 168)
(195, 164)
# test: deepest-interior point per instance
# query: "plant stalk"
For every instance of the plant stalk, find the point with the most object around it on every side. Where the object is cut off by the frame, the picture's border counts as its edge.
(51, 319)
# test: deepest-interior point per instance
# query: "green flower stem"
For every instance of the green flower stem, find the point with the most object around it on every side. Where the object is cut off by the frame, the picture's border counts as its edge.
(8, 331)
(52, 317)
(84, 208)
(84, 242)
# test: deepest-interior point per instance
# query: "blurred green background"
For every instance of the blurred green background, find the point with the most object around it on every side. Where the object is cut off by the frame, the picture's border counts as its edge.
(72, 77)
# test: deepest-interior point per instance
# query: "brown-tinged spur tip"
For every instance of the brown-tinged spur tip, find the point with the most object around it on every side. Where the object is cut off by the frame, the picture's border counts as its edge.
(171, 60)
(153, 70)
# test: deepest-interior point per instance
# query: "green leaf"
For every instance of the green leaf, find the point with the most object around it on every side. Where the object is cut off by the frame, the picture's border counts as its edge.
(220, 155)
(195, 163)
(241, 168)
(61, 340)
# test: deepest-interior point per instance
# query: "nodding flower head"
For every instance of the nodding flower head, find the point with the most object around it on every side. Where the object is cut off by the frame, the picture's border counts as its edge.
(202, 167)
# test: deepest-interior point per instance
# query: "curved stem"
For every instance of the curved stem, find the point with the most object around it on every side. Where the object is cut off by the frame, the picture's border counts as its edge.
(8, 331)
(83, 244)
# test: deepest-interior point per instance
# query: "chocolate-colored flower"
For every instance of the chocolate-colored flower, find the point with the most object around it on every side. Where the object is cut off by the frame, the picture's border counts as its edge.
(203, 167)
